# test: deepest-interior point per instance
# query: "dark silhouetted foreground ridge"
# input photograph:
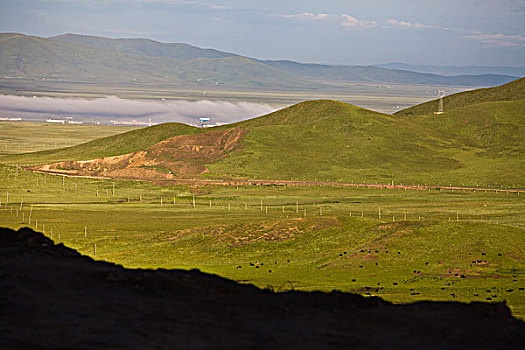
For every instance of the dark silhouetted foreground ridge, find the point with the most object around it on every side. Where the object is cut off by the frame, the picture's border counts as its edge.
(54, 298)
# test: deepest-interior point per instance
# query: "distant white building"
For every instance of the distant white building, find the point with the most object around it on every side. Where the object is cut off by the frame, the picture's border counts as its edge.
(56, 121)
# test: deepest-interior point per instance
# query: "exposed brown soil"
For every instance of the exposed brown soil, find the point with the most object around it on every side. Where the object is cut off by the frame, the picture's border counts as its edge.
(181, 156)
(389, 226)
(54, 298)
(369, 257)
(244, 234)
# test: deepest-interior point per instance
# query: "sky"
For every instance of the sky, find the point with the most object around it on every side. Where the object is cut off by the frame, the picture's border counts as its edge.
(437, 32)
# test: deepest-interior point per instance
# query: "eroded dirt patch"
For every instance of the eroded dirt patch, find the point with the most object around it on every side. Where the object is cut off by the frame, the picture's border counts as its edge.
(178, 156)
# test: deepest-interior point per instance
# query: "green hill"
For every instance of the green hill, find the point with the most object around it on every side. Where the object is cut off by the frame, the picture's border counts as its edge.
(131, 141)
(515, 90)
(326, 140)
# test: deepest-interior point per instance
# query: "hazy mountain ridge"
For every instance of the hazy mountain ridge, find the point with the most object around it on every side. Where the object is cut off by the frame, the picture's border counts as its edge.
(72, 57)
(373, 74)
(455, 70)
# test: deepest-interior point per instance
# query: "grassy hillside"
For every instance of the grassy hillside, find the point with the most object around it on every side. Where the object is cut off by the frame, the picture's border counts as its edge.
(32, 57)
(127, 142)
(495, 129)
(326, 140)
(144, 47)
(514, 90)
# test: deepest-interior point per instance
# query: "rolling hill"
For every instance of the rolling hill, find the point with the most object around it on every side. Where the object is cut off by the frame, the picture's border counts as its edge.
(127, 142)
(96, 60)
(515, 90)
(324, 140)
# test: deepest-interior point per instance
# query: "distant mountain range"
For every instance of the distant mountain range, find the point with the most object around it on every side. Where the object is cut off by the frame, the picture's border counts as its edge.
(97, 60)
(456, 70)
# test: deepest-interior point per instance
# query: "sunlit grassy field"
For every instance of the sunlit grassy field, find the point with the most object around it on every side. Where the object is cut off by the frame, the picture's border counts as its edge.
(22, 137)
(401, 245)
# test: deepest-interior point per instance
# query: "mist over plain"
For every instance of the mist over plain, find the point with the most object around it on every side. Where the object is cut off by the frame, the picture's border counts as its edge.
(110, 108)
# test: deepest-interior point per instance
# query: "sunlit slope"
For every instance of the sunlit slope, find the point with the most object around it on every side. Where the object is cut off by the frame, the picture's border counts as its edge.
(515, 90)
(131, 141)
(494, 129)
(327, 140)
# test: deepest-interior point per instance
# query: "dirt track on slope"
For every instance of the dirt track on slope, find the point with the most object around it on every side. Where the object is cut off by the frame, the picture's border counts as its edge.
(232, 182)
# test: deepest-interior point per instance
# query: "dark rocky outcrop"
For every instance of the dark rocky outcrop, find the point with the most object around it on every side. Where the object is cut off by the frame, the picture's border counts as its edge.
(51, 297)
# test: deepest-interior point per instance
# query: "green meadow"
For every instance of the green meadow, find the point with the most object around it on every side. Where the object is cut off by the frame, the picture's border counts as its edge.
(401, 245)
(24, 137)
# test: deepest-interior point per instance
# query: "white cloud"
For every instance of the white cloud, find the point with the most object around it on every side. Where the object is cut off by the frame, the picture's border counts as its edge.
(395, 22)
(351, 21)
(124, 109)
(505, 40)
(308, 15)
(344, 19)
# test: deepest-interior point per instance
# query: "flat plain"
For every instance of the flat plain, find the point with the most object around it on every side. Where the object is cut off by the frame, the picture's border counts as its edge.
(23, 137)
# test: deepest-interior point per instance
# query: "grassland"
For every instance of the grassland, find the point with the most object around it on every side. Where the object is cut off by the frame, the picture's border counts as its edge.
(460, 246)
(24, 137)
(403, 245)
(116, 144)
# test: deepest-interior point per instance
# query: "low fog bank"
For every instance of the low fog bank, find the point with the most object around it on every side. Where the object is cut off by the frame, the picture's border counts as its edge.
(116, 109)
